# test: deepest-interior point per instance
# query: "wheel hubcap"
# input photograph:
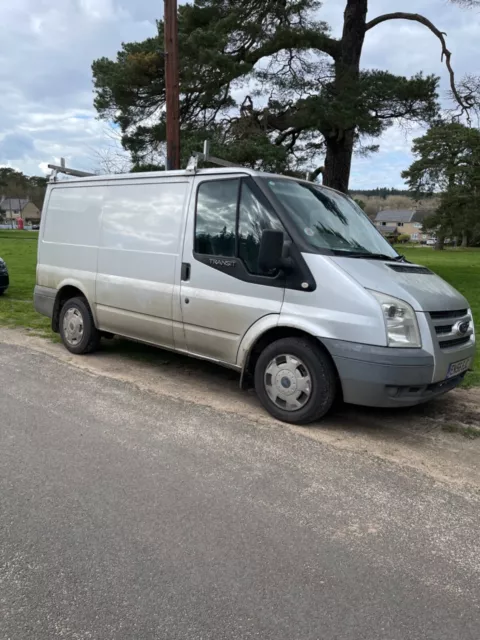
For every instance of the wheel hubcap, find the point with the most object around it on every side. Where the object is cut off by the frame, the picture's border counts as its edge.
(288, 382)
(73, 326)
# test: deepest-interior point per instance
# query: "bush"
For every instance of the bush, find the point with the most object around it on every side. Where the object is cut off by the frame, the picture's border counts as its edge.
(403, 238)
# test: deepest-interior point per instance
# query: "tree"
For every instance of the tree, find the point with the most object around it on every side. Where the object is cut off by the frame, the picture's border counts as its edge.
(361, 203)
(448, 161)
(467, 3)
(319, 101)
(36, 187)
(12, 182)
(15, 184)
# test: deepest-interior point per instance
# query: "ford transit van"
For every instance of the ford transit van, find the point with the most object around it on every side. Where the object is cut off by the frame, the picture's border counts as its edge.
(283, 280)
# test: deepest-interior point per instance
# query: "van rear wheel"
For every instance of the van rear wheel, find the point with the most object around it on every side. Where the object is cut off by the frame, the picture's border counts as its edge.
(77, 328)
(295, 380)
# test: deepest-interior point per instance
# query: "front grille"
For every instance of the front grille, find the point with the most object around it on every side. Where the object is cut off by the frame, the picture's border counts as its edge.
(456, 342)
(452, 328)
(445, 328)
(405, 268)
(445, 315)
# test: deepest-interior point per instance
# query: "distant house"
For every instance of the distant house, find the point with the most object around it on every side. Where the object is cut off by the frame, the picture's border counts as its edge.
(403, 221)
(15, 208)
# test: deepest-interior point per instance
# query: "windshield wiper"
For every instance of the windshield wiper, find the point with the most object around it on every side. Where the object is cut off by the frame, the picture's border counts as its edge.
(369, 256)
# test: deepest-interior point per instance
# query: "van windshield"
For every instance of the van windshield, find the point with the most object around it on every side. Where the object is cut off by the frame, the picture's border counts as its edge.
(329, 220)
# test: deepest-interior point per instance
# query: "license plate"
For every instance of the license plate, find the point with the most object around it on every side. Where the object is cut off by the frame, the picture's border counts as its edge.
(456, 368)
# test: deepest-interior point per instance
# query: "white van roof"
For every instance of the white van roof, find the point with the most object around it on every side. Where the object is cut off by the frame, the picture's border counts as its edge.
(184, 173)
(164, 174)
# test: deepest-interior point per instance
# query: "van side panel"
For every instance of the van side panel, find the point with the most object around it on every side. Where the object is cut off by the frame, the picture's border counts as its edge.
(138, 256)
(70, 233)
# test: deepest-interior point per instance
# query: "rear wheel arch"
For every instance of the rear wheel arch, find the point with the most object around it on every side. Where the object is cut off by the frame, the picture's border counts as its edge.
(65, 293)
(77, 326)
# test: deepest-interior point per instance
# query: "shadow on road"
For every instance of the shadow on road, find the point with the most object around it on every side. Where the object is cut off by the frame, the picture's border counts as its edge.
(456, 412)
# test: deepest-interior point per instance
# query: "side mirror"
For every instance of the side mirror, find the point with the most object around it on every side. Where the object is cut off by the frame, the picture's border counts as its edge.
(271, 250)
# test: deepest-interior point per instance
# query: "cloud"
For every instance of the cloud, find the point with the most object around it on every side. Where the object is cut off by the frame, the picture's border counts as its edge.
(47, 48)
(46, 52)
(16, 146)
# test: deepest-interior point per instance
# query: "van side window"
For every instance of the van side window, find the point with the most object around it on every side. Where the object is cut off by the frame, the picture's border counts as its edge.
(254, 219)
(216, 220)
(230, 221)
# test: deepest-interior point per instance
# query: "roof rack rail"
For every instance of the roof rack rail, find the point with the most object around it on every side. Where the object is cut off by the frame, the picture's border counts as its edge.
(61, 168)
(206, 157)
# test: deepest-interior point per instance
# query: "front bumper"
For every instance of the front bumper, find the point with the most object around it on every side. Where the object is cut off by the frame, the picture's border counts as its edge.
(385, 377)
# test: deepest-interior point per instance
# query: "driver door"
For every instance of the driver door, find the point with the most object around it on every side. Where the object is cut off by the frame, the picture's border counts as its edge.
(223, 292)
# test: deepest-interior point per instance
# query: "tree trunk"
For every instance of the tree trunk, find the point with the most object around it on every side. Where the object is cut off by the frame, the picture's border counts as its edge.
(464, 239)
(340, 137)
(440, 244)
(338, 163)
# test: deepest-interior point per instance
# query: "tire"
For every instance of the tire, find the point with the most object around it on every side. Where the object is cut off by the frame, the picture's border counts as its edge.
(77, 328)
(300, 376)
(2, 291)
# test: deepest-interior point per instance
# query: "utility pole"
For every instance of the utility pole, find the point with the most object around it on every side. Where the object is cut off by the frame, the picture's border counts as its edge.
(172, 88)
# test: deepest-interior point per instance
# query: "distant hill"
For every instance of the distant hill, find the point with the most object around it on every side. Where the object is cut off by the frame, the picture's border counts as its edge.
(385, 192)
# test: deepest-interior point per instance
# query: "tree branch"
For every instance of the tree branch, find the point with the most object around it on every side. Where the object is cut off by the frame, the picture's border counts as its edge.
(284, 39)
(289, 132)
(416, 17)
(314, 175)
(469, 4)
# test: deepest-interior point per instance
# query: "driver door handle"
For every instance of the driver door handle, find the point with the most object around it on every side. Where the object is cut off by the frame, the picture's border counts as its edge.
(186, 269)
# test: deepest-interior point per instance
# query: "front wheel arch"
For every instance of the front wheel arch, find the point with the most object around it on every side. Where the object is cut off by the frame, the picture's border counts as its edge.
(295, 380)
(272, 335)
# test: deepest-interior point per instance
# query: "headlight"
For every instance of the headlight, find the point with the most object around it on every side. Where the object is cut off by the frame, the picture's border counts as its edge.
(400, 322)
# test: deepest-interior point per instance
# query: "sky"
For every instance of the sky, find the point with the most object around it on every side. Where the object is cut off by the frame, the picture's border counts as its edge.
(47, 47)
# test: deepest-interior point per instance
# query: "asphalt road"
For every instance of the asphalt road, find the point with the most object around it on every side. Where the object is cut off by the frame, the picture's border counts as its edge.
(128, 515)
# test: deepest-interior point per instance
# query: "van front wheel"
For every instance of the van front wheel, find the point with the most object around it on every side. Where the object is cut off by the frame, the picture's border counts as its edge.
(295, 380)
(77, 328)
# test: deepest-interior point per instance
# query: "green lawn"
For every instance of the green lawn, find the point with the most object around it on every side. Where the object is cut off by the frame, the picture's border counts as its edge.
(461, 268)
(19, 249)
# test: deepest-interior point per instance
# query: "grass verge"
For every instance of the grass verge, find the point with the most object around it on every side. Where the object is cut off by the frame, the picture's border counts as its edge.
(472, 433)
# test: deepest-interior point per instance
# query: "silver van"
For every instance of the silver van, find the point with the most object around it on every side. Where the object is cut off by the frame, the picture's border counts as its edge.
(283, 280)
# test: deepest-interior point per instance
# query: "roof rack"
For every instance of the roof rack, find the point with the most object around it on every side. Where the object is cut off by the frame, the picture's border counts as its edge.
(61, 168)
(191, 167)
(206, 157)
